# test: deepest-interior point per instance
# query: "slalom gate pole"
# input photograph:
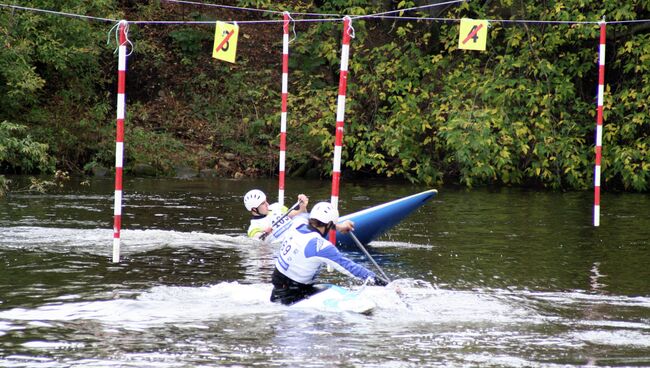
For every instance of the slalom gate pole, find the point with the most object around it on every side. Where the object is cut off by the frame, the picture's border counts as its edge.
(283, 114)
(119, 139)
(340, 114)
(599, 121)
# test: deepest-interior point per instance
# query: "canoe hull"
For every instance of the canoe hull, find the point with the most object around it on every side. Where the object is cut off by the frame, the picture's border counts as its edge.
(337, 299)
(372, 222)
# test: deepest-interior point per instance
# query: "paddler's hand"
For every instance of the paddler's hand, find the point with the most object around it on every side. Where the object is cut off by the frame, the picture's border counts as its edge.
(345, 227)
(304, 201)
(266, 233)
(379, 281)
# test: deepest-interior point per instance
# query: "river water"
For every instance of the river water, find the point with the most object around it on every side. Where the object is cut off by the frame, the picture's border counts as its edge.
(488, 277)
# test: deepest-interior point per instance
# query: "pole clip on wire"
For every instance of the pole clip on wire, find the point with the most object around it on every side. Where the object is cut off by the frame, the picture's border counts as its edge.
(350, 29)
(116, 27)
(293, 26)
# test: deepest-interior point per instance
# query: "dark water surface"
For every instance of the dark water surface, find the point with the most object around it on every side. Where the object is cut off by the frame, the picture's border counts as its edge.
(506, 277)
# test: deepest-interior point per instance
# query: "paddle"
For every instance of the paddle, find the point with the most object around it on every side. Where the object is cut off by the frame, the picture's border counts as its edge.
(356, 240)
(294, 207)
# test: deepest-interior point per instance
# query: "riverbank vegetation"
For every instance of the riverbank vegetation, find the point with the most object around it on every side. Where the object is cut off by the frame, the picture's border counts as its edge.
(521, 113)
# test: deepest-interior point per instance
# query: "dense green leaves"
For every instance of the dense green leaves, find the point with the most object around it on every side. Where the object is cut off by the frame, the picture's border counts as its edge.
(521, 113)
(52, 77)
(20, 152)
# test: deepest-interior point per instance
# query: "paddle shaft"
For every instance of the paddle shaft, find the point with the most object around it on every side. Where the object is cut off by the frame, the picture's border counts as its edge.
(295, 206)
(356, 240)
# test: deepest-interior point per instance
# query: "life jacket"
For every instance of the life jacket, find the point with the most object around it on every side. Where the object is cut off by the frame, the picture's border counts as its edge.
(304, 251)
(274, 219)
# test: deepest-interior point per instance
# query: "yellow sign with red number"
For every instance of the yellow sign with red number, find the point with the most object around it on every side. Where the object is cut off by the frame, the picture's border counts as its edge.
(225, 42)
(473, 34)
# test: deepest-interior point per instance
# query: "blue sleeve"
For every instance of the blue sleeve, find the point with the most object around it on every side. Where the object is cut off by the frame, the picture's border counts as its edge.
(324, 249)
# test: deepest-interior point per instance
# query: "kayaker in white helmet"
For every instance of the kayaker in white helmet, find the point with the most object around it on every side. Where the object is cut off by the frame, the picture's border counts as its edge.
(304, 250)
(268, 222)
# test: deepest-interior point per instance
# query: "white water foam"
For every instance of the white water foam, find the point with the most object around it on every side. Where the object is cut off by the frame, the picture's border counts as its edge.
(194, 305)
(157, 306)
(614, 338)
(95, 241)
(396, 244)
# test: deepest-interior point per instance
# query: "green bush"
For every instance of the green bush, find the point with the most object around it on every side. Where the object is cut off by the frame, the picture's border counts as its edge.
(19, 152)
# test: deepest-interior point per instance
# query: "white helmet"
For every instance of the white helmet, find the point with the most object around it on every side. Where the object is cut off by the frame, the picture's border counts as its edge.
(254, 198)
(324, 212)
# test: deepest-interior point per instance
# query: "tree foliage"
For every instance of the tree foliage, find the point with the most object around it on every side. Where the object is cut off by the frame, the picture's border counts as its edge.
(20, 152)
(521, 113)
(52, 72)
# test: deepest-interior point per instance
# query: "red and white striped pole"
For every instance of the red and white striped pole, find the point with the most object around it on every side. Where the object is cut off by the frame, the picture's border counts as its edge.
(599, 122)
(340, 114)
(119, 140)
(283, 115)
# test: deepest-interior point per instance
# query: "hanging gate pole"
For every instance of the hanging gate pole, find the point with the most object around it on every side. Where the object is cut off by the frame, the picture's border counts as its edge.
(599, 121)
(283, 114)
(340, 114)
(119, 140)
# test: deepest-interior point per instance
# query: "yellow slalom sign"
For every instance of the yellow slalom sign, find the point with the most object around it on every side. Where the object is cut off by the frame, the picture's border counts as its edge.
(473, 34)
(225, 42)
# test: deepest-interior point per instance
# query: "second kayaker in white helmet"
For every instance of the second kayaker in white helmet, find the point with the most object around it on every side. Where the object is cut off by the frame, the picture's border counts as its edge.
(267, 221)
